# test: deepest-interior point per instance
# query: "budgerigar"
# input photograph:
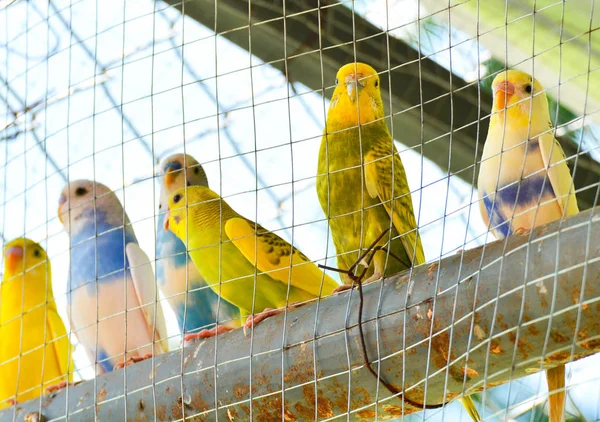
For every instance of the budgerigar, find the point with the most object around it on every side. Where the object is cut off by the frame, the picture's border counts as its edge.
(524, 180)
(361, 183)
(108, 271)
(175, 272)
(229, 250)
(28, 321)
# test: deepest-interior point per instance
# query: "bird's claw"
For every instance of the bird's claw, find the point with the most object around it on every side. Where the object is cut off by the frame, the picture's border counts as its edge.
(522, 231)
(132, 360)
(219, 329)
(342, 288)
(59, 386)
(253, 320)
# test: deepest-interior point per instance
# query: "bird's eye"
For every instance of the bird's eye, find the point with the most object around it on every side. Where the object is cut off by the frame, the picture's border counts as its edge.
(376, 83)
(188, 183)
(80, 191)
(177, 198)
(37, 253)
(528, 89)
(336, 81)
(196, 170)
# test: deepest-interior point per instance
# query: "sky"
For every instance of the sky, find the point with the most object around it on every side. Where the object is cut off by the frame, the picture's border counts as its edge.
(122, 93)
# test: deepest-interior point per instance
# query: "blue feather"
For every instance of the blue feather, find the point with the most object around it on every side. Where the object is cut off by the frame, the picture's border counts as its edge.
(106, 250)
(201, 302)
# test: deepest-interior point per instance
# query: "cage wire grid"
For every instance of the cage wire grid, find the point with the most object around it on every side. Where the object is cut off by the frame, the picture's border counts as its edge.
(106, 92)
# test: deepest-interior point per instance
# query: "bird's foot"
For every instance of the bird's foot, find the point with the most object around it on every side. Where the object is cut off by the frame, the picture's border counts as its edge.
(12, 402)
(132, 360)
(376, 276)
(219, 329)
(522, 231)
(342, 288)
(253, 320)
(59, 386)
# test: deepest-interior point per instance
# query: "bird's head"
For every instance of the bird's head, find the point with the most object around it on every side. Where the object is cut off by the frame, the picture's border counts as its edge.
(357, 96)
(23, 255)
(518, 96)
(174, 176)
(193, 209)
(81, 198)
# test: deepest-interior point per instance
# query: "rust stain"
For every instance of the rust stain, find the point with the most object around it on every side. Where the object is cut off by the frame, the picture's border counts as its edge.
(469, 372)
(168, 389)
(300, 373)
(161, 412)
(582, 335)
(500, 321)
(432, 268)
(324, 405)
(101, 394)
(176, 409)
(246, 409)
(495, 348)
(240, 391)
(591, 344)
(360, 397)
(368, 414)
(304, 412)
(558, 357)
(576, 294)
(558, 337)
(268, 409)
(199, 403)
(532, 329)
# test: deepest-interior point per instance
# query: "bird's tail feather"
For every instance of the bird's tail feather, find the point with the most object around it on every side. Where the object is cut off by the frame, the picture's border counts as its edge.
(556, 389)
(469, 406)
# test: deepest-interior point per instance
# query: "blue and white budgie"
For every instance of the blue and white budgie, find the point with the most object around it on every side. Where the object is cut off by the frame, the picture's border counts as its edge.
(524, 180)
(175, 271)
(104, 253)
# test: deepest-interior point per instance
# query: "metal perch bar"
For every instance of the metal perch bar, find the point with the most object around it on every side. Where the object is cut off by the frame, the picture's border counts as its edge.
(479, 294)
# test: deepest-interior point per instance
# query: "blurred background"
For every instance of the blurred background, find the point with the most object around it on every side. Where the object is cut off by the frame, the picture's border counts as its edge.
(106, 90)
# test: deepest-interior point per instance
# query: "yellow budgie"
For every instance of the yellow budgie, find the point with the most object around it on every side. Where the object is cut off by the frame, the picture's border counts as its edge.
(361, 183)
(30, 326)
(229, 250)
(524, 181)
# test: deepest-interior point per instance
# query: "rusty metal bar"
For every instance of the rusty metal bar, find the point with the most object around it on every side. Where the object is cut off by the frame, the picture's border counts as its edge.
(498, 279)
(323, 35)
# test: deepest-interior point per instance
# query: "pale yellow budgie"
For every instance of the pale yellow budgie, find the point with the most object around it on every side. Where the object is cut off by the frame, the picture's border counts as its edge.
(524, 180)
(30, 326)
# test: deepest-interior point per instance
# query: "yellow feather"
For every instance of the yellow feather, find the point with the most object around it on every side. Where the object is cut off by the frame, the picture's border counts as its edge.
(30, 325)
(271, 254)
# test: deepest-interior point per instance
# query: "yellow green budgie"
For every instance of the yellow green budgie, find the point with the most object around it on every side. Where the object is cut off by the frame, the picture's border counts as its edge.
(28, 321)
(229, 250)
(524, 180)
(361, 183)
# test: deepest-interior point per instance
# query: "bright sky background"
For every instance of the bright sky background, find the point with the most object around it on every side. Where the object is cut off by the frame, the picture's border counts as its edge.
(165, 103)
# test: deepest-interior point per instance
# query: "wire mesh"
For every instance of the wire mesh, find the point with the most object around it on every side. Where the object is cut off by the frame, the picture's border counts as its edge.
(99, 96)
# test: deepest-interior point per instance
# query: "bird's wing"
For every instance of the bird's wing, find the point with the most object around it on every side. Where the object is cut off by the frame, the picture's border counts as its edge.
(271, 254)
(384, 172)
(559, 174)
(145, 287)
(63, 350)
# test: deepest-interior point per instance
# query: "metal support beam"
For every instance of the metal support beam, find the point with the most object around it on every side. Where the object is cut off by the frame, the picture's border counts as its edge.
(481, 318)
(318, 36)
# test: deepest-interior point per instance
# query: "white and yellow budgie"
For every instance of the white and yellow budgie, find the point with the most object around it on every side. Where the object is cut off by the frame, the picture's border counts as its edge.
(524, 180)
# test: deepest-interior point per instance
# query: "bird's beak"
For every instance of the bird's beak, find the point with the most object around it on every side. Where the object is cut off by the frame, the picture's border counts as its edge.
(502, 93)
(12, 257)
(354, 83)
(61, 202)
(166, 220)
(170, 177)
